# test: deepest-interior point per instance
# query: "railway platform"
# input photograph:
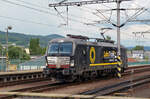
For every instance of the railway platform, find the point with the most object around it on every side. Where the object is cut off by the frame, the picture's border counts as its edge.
(20, 75)
(20, 72)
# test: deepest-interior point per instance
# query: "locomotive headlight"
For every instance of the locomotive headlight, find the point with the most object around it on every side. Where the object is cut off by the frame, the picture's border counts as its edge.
(72, 63)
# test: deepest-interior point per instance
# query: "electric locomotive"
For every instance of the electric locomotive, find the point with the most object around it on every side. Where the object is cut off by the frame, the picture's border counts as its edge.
(77, 57)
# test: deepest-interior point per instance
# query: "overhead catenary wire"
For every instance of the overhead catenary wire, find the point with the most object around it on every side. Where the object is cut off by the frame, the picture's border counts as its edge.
(90, 10)
(60, 14)
(101, 17)
(49, 9)
(147, 10)
(135, 15)
(136, 38)
(143, 7)
(108, 19)
(42, 11)
(27, 21)
(39, 23)
(18, 0)
(124, 22)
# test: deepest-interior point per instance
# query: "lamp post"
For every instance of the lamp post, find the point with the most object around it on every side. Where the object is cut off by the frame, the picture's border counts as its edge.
(7, 59)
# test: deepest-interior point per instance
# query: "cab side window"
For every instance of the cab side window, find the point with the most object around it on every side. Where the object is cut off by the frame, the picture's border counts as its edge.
(109, 54)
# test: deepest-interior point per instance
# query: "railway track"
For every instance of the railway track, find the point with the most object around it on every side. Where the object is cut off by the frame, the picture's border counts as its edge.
(31, 88)
(39, 88)
(124, 85)
(22, 79)
(51, 88)
(99, 91)
(131, 70)
(42, 78)
(136, 69)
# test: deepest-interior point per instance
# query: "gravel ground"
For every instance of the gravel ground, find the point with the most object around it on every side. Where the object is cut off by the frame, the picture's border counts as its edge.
(140, 91)
(21, 86)
(75, 89)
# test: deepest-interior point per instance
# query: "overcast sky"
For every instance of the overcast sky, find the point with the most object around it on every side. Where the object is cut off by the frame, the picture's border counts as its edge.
(36, 18)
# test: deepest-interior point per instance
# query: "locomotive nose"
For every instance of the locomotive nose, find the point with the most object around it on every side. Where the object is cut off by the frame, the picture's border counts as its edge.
(58, 62)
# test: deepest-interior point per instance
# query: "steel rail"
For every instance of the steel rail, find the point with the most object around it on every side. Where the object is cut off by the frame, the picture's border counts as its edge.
(63, 84)
(118, 86)
(30, 89)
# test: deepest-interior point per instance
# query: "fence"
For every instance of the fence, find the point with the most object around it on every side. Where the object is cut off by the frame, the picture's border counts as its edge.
(139, 63)
(38, 63)
(16, 64)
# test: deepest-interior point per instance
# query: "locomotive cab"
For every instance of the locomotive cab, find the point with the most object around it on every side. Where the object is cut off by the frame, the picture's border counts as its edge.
(59, 60)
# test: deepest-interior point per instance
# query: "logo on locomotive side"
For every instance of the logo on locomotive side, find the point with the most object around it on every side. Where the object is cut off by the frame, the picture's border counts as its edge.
(92, 55)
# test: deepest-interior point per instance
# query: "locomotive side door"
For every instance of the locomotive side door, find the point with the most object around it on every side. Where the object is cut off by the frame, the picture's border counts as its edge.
(81, 57)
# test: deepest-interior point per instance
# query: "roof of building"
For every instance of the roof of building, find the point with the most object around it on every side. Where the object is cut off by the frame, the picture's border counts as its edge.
(138, 52)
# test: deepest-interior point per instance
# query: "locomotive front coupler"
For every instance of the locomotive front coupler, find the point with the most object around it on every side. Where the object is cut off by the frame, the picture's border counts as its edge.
(68, 71)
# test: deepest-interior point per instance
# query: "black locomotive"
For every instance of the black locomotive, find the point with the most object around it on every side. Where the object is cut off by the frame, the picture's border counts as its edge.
(77, 57)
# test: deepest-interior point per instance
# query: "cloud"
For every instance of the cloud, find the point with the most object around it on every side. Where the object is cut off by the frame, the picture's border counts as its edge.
(130, 39)
(77, 17)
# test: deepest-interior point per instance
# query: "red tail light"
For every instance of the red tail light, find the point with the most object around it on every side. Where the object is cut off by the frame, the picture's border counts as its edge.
(51, 66)
(65, 66)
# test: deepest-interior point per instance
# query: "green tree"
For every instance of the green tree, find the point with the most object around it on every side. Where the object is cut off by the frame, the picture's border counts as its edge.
(43, 51)
(34, 47)
(0, 49)
(146, 58)
(108, 38)
(138, 47)
(17, 53)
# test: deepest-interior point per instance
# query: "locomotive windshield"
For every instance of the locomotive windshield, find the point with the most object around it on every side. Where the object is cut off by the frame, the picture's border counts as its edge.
(62, 49)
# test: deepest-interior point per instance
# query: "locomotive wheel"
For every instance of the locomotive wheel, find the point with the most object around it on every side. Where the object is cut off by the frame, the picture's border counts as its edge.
(70, 78)
(80, 78)
(86, 76)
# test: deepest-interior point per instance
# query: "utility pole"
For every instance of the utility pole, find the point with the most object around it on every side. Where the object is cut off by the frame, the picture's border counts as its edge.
(2, 64)
(98, 2)
(118, 27)
(7, 58)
